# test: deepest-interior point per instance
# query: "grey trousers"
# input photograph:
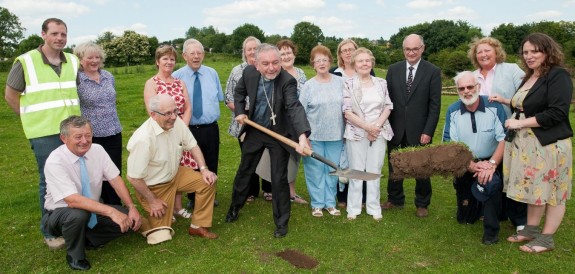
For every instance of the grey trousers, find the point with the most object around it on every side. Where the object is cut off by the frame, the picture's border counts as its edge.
(72, 224)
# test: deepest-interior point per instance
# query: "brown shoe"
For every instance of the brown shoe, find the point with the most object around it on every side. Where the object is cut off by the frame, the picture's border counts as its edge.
(390, 205)
(202, 232)
(421, 212)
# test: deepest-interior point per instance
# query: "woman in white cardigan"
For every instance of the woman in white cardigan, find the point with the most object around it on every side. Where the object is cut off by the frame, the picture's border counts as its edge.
(366, 106)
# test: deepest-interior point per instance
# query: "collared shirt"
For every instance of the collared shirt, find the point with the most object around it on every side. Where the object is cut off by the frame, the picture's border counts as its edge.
(212, 93)
(414, 68)
(155, 153)
(485, 82)
(16, 78)
(264, 101)
(62, 172)
(322, 104)
(481, 130)
(98, 103)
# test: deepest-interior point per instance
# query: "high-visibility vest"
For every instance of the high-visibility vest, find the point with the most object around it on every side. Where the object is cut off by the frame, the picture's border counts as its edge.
(48, 98)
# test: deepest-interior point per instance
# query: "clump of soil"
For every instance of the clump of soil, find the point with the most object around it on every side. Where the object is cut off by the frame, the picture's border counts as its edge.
(298, 259)
(450, 159)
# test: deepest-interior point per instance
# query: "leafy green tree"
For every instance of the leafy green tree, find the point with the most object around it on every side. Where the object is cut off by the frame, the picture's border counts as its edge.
(153, 45)
(510, 36)
(105, 37)
(451, 61)
(274, 38)
(11, 31)
(129, 49)
(239, 34)
(306, 36)
(29, 43)
(438, 35)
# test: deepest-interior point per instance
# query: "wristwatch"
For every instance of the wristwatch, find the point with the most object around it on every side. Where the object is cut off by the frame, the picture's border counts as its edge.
(491, 161)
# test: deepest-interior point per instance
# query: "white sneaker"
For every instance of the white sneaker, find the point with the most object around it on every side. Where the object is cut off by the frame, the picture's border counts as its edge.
(55, 243)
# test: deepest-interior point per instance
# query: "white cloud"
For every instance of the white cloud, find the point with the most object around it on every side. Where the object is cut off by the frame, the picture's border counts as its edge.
(261, 8)
(458, 13)
(45, 7)
(346, 6)
(424, 4)
(380, 2)
(119, 30)
(544, 15)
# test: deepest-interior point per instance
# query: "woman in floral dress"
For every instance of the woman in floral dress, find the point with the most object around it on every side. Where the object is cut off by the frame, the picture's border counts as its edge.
(537, 164)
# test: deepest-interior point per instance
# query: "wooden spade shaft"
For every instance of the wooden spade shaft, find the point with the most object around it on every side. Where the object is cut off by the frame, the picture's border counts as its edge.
(348, 173)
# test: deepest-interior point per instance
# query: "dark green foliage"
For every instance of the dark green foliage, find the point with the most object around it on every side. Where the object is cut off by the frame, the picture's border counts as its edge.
(306, 36)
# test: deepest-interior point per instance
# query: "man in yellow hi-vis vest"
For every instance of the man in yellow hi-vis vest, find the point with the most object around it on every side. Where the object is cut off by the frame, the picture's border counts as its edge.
(41, 88)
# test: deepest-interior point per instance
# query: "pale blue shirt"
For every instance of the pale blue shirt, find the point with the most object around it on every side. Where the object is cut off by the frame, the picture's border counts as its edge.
(322, 104)
(212, 93)
(481, 130)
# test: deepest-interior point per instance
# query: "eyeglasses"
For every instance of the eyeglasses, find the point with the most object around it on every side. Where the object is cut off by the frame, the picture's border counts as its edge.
(462, 89)
(319, 61)
(176, 112)
(195, 53)
(407, 50)
(346, 50)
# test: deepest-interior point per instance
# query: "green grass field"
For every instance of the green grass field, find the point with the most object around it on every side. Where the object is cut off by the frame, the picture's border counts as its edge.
(400, 243)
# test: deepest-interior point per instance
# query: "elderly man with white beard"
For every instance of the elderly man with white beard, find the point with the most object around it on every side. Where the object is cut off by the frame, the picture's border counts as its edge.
(478, 123)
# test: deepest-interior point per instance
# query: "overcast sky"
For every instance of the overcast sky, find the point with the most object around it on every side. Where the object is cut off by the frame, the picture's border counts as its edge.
(167, 20)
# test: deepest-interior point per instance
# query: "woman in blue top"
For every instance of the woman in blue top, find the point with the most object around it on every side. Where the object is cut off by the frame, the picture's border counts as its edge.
(97, 92)
(322, 98)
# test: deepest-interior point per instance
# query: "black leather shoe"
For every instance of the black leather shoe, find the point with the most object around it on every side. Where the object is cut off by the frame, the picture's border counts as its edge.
(78, 264)
(280, 233)
(489, 241)
(233, 214)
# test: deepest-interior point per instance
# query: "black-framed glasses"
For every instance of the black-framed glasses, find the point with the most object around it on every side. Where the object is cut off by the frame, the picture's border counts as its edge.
(412, 50)
(176, 112)
(462, 89)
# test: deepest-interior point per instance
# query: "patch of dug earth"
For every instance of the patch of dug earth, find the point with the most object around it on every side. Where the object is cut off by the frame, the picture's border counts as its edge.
(450, 159)
(298, 259)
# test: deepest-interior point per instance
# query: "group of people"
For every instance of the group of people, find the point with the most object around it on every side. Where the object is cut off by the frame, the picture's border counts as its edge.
(515, 123)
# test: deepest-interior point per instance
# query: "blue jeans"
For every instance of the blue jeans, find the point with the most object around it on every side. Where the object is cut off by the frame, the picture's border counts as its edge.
(42, 147)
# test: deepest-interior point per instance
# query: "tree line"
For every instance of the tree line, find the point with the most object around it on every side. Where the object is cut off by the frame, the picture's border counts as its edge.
(446, 41)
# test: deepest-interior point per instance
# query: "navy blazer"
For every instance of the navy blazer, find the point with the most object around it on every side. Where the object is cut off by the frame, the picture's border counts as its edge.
(549, 100)
(418, 112)
(291, 120)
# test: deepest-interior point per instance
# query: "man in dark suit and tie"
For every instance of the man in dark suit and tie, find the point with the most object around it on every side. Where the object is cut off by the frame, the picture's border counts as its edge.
(274, 104)
(415, 89)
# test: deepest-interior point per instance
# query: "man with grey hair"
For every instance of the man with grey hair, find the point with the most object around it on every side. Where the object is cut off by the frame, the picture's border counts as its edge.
(415, 89)
(74, 175)
(273, 104)
(478, 123)
(155, 172)
(206, 93)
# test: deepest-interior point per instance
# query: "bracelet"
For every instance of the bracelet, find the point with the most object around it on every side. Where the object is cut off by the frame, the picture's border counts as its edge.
(203, 167)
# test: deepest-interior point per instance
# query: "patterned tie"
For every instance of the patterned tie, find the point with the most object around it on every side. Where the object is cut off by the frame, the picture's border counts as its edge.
(197, 98)
(409, 79)
(86, 192)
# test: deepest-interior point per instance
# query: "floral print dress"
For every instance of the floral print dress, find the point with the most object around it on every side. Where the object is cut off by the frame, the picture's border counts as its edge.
(176, 90)
(536, 174)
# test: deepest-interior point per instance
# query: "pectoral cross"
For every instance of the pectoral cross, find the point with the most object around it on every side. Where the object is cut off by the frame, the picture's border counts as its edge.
(273, 118)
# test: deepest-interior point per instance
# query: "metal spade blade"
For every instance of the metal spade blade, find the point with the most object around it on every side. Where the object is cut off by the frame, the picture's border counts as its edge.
(348, 173)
